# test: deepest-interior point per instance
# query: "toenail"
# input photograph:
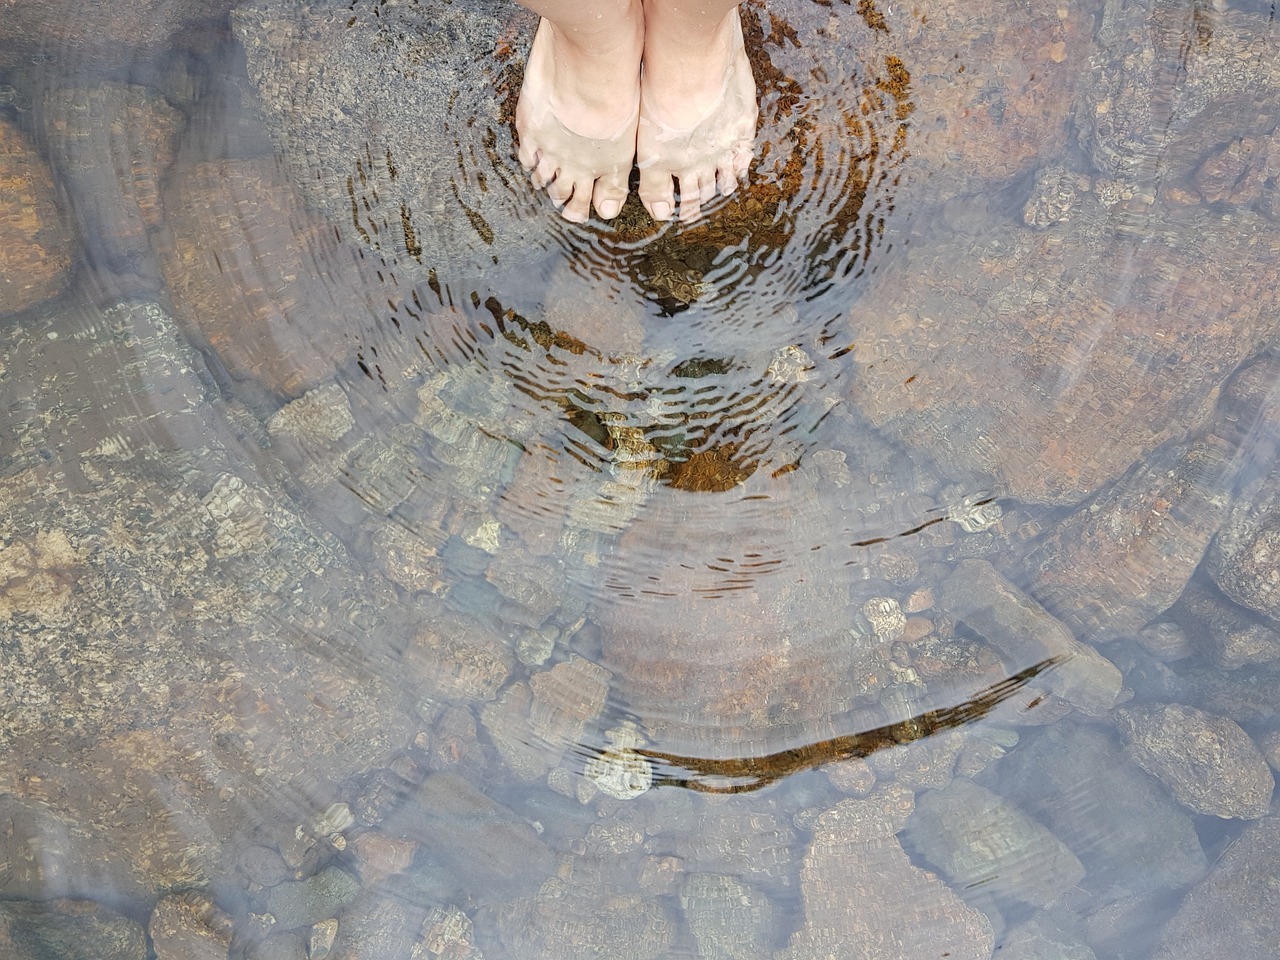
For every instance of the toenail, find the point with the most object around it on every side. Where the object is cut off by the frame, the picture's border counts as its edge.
(661, 211)
(609, 209)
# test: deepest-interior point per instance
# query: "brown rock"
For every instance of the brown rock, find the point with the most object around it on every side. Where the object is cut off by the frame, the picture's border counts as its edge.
(35, 244)
(378, 856)
(1022, 630)
(1207, 762)
(112, 144)
(489, 848)
(269, 319)
(1123, 558)
(189, 926)
(863, 898)
(1243, 561)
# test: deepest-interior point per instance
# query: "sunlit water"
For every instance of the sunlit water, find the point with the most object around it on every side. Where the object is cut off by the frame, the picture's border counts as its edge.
(880, 567)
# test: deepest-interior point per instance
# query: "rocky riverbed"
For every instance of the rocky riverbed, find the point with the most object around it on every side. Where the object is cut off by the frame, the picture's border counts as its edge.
(883, 567)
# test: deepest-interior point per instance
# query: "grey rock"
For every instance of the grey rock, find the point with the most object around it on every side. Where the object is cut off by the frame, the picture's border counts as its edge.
(301, 903)
(981, 841)
(1235, 911)
(1074, 779)
(1020, 628)
(1040, 939)
(345, 98)
(585, 917)
(729, 919)
(1207, 762)
(863, 898)
(182, 601)
(755, 846)
(68, 930)
(1232, 635)
(453, 658)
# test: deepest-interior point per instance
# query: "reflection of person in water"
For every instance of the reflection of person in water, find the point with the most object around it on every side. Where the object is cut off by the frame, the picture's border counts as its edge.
(665, 83)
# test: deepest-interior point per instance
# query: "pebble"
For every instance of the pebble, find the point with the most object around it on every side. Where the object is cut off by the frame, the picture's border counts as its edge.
(300, 903)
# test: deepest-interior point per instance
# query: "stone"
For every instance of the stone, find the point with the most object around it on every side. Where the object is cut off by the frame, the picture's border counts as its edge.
(301, 903)
(35, 243)
(1235, 911)
(69, 930)
(1018, 626)
(619, 769)
(1208, 762)
(980, 841)
(189, 926)
(1041, 939)
(1122, 559)
(756, 846)
(285, 945)
(729, 920)
(376, 925)
(98, 31)
(863, 898)
(1243, 559)
(1072, 778)
(452, 658)
(447, 934)
(1233, 636)
(385, 174)
(257, 687)
(271, 321)
(1166, 641)
(489, 849)
(112, 144)
(378, 856)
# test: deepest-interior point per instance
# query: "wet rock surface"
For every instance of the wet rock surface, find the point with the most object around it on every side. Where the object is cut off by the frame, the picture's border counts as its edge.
(1233, 912)
(854, 868)
(1207, 762)
(35, 239)
(349, 616)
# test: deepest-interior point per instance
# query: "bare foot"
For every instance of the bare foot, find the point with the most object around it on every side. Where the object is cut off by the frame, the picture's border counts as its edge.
(577, 113)
(697, 116)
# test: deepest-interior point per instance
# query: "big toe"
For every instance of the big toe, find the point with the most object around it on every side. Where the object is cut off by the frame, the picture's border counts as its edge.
(609, 196)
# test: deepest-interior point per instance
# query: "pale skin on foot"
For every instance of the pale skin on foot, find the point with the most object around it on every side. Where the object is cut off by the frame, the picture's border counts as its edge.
(662, 83)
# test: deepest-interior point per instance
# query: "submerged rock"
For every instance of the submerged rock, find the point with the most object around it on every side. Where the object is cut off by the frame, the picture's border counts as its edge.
(35, 243)
(373, 112)
(982, 842)
(1207, 762)
(189, 926)
(863, 898)
(1126, 830)
(1021, 629)
(1235, 912)
(729, 920)
(68, 930)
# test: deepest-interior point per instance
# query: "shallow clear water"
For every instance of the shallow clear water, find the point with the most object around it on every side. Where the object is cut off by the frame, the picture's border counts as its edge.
(880, 567)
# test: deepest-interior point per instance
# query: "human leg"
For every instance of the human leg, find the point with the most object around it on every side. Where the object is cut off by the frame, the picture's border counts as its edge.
(697, 104)
(578, 109)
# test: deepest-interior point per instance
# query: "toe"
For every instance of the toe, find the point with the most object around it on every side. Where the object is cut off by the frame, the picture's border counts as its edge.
(578, 206)
(544, 173)
(609, 195)
(690, 199)
(726, 179)
(657, 193)
(707, 187)
(528, 155)
(560, 189)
